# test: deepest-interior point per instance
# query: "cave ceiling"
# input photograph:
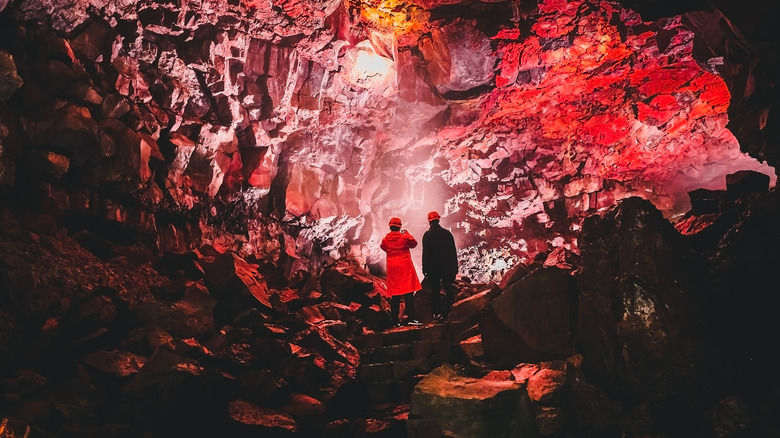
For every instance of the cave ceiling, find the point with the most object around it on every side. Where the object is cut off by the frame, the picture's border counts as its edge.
(295, 129)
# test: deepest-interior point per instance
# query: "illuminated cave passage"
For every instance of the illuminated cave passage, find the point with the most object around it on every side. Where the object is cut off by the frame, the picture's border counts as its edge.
(203, 186)
(325, 127)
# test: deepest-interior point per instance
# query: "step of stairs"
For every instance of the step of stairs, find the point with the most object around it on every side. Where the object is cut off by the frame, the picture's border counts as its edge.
(395, 360)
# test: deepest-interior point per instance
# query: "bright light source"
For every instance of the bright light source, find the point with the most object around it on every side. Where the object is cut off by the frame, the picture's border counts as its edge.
(363, 67)
(369, 65)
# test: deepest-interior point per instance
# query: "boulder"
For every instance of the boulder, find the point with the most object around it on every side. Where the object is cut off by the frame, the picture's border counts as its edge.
(746, 182)
(470, 407)
(64, 126)
(460, 57)
(250, 419)
(472, 347)
(235, 283)
(533, 319)
(319, 339)
(9, 79)
(191, 316)
(705, 201)
(115, 362)
(308, 410)
(640, 320)
(350, 282)
(545, 381)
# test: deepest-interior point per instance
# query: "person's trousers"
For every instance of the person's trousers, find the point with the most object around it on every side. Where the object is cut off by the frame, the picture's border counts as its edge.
(441, 305)
(395, 306)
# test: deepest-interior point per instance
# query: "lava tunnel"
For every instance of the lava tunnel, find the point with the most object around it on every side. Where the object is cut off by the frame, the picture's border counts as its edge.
(195, 197)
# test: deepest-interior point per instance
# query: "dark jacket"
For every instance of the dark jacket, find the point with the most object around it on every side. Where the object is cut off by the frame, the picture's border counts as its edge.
(439, 255)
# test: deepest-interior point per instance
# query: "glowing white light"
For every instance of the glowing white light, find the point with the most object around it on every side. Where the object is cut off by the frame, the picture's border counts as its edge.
(369, 64)
(363, 67)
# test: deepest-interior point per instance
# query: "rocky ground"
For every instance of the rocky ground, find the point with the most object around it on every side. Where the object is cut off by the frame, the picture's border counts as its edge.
(191, 196)
(650, 331)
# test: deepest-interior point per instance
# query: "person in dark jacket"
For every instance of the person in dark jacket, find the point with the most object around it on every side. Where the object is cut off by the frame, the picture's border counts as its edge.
(439, 265)
(402, 278)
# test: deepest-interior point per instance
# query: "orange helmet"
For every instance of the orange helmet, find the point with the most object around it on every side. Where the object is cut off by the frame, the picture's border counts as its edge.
(432, 216)
(395, 222)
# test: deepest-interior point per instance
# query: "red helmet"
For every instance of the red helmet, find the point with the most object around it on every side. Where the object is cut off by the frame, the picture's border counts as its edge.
(432, 216)
(395, 222)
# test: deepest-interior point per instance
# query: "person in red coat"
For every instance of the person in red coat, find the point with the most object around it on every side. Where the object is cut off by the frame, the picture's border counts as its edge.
(401, 276)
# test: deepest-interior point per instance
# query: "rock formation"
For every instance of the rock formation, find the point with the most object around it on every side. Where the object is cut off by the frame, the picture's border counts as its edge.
(192, 195)
(292, 132)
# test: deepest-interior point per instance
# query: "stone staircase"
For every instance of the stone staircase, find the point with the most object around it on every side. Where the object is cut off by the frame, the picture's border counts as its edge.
(394, 361)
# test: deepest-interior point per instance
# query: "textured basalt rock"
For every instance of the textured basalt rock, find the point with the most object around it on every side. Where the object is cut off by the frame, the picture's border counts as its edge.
(678, 347)
(472, 407)
(639, 311)
(533, 319)
(324, 119)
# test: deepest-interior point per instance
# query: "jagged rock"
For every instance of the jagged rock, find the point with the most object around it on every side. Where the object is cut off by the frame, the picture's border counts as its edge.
(533, 319)
(90, 318)
(233, 96)
(306, 369)
(472, 347)
(52, 164)
(470, 302)
(262, 386)
(64, 274)
(64, 126)
(189, 348)
(341, 389)
(705, 201)
(9, 79)
(179, 264)
(373, 427)
(337, 311)
(544, 381)
(550, 421)
(253, 419)
(285, 300)
(515, 273)
(348, 281)
(188, 397)
(746, 182)
(640, 323)
(471, 407)
(76, 400)
(192, 316)
(337, 329)
(163, 379)
(312, 315)
(459, 56)
(740, 250)
(467, 310)
(562, 258)
(515, 121)
(306, 409)
(235, 284)
(332, 349)
(731, 417)
(115, 362)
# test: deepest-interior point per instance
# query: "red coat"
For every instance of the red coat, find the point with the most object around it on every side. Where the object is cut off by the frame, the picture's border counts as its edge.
(401, 275)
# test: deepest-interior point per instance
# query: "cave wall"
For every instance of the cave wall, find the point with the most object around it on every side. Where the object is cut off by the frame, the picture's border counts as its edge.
(292, 131)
